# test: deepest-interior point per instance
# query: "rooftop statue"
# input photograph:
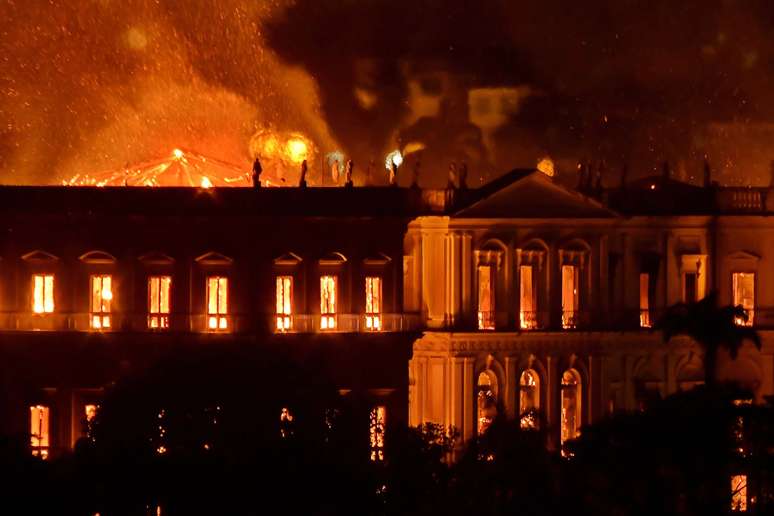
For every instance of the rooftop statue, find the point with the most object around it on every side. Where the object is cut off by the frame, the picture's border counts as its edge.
(302, 182)
(257, 169)
(350, 166)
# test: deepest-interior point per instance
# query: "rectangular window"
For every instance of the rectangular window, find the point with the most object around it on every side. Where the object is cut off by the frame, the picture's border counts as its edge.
(744, 295)
(101, 298)
(645, 300)
(328, 302)
(527, 299)
(739, 493)
(217, 303)
(486, 314)
(569, 296)
(43, 293)
(376, 431)
(373, 285)
(39, 430)
(284, 303)
(158, 301)
(690, 287)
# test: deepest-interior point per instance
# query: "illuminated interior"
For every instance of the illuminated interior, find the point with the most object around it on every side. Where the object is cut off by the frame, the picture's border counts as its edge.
(284, 303)
(486, 400)
(43, 293)
(690, 287)
(90, 412)
(744, 295)
(569, 296)
(286, 422)
(527, 299)
(571, 405)
(645, 300)
(373, 317)
(39, 431)
(376, 432)
(328, 302)
(739, 493)
(101, 300)
(486, 314)
(217, 303)
(158, 301)
(529, 399)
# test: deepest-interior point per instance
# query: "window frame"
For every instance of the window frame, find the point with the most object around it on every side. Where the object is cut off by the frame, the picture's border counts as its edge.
(373, 317)
(45, 309)
(283, 318)
(217, 321)
(37, 448)
(486, 319)
(101, 319)
(750, 312)
(159, 320)
(329, 319)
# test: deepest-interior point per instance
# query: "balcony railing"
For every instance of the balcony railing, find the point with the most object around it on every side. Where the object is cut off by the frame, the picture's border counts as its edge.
(202, 323)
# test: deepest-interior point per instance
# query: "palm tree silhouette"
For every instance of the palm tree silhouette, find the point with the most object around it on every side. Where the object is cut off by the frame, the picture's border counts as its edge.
(712, 327)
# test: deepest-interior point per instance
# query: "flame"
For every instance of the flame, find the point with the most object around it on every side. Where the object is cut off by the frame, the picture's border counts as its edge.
(296, 150)
(177, 153)
(107, 294)
(206, 183)
(546, 166)
(393, 157)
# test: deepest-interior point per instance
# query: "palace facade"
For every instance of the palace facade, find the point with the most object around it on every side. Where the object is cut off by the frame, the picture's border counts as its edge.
(444, 306)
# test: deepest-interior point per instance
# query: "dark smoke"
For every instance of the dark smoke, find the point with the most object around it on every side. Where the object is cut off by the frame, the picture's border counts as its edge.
(95, 84)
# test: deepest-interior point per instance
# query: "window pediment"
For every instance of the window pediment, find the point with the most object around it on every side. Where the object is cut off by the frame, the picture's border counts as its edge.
(484, 257)
(213, 258)
(289, 258)
(97, 257)
(744, 256)
(39, 256)
(156, 258)
(334, 258)
(377, 259)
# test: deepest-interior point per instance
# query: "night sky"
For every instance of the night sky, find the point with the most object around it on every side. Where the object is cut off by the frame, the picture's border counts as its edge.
(95, 85)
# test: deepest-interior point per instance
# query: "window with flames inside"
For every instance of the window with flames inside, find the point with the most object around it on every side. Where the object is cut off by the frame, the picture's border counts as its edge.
(39, 431)
(217, 303)
(328, 302)
(376, 431)
(158, 301)
(486, 298)
(284, 308)
(373, 316)
(43, 293)
(743, 284)
(101, 300)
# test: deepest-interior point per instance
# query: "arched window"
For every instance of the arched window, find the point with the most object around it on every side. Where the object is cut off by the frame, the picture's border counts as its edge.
(571, 405)
(529, 399)
(486, 399)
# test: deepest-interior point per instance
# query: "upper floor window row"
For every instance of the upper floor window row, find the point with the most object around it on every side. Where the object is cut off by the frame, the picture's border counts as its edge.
(329, 303)
(102, 294)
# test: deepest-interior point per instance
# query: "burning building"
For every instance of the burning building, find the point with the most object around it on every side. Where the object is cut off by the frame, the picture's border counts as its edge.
(529, 296)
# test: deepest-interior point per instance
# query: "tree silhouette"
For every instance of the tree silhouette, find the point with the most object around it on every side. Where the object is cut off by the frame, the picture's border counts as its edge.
(712, 327)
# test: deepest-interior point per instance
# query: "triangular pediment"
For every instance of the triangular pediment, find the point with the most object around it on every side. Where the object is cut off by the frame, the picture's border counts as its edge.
(156, 258)
(535, 195)
(213, 258)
